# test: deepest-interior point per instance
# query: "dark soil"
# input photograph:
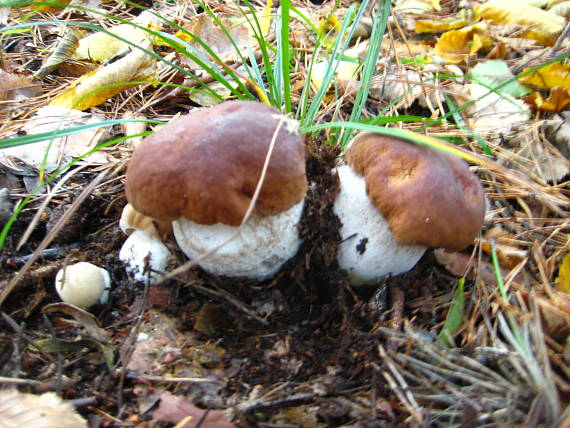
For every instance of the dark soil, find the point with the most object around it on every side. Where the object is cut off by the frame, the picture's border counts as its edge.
(313, 342)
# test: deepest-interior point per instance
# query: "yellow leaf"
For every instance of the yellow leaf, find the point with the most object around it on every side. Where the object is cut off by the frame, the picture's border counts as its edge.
(417, 6)
(549, 76)
(48, 8)
(538, 24)
(101, 46)
(105, 82)
(437, 26)
(558, 100)
(563, 279)
(265, 19)
(455, 46)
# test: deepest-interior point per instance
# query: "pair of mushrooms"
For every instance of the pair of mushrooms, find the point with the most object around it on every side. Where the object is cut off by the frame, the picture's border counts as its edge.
(200, 173)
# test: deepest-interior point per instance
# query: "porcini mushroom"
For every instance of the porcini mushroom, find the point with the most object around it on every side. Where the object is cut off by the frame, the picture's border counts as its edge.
(143, 248)
(83, 284)
(397, 199)
(201, 171)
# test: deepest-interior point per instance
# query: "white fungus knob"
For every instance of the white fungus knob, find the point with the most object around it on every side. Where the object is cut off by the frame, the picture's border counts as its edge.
(83, 284)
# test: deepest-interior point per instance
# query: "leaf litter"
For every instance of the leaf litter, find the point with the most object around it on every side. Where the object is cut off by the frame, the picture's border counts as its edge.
(304, 348)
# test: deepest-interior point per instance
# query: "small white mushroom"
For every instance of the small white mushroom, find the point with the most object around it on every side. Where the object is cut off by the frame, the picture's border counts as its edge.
(83, 284)
(139, 247)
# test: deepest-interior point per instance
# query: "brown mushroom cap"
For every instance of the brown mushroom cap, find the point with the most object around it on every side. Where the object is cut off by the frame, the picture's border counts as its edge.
(428, 197)
(206, 165)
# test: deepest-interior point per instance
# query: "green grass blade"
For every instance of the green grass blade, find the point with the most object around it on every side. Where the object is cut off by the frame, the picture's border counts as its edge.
(369, 68)
(283, 52)
(455, 318)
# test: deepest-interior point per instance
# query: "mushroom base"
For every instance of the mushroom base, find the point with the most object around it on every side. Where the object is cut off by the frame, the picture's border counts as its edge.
(258, 251)
(368, 250)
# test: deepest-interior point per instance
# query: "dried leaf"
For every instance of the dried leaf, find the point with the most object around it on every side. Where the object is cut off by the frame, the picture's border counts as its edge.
(207, 30)
(456, 46)
(47, 7)
(62, 52)
(539, 24)
(440, 25)
(563, 278)
(65, 345)
(205, 99)
(19, 410)
(174, 408)
(549, 76)
(561, 9)
(346, 71)
(417, 6)
(102, 46)
(53, 152)
(558, 100)
(83, 318)
(16, 87)
(97, 87)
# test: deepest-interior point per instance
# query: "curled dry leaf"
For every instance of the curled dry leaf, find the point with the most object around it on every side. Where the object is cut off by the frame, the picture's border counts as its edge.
(16, 87)
(210, 33)
(462, 265)
(174, 408)
(456, 46)
(101, 47)
(561, 9)
(19, 410)
(441, 25)
(82, 318)
(53, 118)
(509, 255)
(417, 6)
(539, 24)
(558, 100)
(98, 86)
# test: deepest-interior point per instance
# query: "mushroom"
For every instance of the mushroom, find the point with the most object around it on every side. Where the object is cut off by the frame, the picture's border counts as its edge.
(396, 199)
(143, 247)
(83, 284)
(201, 172)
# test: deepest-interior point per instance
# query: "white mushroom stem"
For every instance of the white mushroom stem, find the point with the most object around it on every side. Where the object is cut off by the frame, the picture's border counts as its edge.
(258, 251)
(140, 248)
(83, 284)
(368, 250)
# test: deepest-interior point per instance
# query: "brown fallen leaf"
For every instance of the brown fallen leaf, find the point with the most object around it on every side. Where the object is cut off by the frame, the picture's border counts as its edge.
(455, 46)
(558, 100)
(174, 408)
(459, 263)
(98, 86)
(539, 24)
(16, 87)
